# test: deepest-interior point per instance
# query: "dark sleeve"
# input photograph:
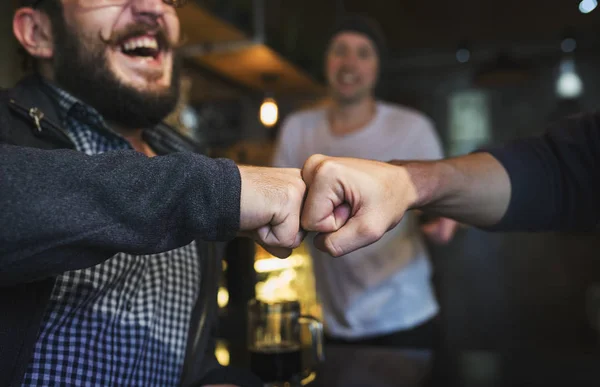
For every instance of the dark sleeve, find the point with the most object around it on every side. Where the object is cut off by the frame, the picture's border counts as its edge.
(555, 178)
(62, 210)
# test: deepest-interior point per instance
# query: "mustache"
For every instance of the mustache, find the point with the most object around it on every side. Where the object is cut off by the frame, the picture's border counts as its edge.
(143, 28)
(346, 68)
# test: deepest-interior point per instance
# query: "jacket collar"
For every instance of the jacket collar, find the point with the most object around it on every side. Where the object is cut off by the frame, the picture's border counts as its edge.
(30, 94)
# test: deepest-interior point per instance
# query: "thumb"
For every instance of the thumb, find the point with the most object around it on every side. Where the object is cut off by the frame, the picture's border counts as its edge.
(356, 233)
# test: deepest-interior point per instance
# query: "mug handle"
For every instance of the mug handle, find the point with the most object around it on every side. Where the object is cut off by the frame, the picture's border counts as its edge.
(316, 332)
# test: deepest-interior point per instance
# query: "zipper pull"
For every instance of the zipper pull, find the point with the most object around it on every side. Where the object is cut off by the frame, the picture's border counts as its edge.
(37, 116)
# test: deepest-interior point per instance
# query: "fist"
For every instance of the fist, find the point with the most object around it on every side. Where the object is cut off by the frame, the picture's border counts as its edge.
(270, 206)
(353, 202)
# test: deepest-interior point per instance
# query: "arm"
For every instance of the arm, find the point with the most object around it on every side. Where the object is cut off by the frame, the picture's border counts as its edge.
(63, 210)
(546, 183)
(549, 183)
(473, 189)
(426, 145)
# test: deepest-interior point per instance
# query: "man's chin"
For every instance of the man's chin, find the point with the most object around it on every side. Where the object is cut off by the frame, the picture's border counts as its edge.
(150, 90)
(151, 81)
(146, 85)
(345, 99)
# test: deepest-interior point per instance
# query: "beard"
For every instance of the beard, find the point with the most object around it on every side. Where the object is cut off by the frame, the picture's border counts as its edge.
(355, 98)
(82, 68)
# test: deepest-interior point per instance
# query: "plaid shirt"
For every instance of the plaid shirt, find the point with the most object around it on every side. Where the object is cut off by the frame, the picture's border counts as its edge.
(123, 322)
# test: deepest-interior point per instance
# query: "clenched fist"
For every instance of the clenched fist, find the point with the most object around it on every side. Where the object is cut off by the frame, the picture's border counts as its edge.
(270, 207)
(353, 202)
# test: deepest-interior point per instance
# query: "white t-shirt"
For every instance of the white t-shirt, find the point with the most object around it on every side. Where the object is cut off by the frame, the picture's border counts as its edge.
(384, 287)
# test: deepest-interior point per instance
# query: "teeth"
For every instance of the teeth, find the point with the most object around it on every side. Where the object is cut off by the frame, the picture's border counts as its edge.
(348, 77)
(140, 42)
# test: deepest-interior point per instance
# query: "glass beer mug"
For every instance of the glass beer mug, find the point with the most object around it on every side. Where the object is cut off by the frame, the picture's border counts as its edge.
(274, 342)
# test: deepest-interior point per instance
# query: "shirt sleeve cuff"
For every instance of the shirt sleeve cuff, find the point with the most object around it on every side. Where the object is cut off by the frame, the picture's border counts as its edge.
(517, 164)
(229, 191)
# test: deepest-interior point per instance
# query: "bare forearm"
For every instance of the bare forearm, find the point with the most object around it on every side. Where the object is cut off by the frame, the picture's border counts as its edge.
(353, 202)
(473, 189)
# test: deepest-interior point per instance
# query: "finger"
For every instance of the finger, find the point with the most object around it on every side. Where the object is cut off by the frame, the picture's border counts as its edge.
(356, 233)
(449, 229)
(430, 228)
(279, 235)
(432, 236)
(310, 167)
(284, 227)
(440, 230)
(320, 212)
(299, 238)
(282, 252)
(319, 242)
(284, 233)
(322, 215)
(297, 241)
(279, 252)
(341, 214)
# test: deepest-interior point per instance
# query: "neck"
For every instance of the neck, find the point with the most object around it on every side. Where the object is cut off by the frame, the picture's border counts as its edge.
(134, 137)
(350, 118)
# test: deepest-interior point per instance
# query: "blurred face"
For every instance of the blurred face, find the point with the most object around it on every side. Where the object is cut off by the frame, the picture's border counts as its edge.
(352, 67)
(117, 55)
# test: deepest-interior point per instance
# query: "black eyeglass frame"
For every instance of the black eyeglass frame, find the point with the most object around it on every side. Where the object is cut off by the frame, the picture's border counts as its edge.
(174, 3)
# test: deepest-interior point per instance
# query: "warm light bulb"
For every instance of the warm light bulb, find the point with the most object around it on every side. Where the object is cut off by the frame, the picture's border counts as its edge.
(269, 112)
(223, 297)
(222, 353)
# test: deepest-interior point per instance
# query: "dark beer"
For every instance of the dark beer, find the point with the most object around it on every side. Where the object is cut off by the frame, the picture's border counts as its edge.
(276, 362)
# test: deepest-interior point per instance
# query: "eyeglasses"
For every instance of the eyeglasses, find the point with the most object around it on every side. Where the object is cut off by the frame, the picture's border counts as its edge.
(106, 3)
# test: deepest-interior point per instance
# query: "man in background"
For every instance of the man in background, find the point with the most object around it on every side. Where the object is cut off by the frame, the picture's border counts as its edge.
(382, 294)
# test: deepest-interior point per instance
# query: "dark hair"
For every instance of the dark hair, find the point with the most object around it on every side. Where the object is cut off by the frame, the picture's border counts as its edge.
(26, 3)
(54, 10)
(361, 24)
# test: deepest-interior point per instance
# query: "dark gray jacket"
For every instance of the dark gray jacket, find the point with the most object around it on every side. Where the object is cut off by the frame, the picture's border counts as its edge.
(62, 210)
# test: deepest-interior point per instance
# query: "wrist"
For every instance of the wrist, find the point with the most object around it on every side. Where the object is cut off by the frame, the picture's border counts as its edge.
(248, 213)
(424, 182)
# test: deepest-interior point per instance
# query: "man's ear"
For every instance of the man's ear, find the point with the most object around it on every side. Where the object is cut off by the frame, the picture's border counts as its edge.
(33, 30)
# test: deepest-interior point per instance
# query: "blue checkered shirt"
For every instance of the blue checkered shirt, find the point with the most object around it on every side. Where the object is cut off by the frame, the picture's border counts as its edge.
(123, 322)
